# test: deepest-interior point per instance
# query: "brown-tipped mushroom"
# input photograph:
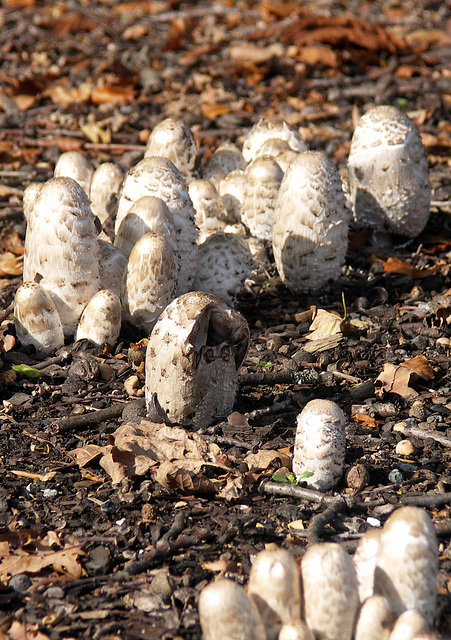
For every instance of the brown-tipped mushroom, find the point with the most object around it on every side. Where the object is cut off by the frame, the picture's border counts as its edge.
(227, 613)
(73, 164)
(112, 264)
(193, 358)
(172, 139)
(211, 214)
(267, 128)
(231, 189)
(37, 320)
(263, 177)
(320, 444)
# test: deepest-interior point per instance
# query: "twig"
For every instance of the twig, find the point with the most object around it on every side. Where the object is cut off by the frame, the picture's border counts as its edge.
(424, 434)
(113, 146)
(94, 417)
(294, 491)
(175, 530)
(274, 408)
(62, 357)
(307, 376)
(318, 522)
(427, 501)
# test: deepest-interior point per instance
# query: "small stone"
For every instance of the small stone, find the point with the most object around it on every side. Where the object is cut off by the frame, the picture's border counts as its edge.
(357, 477)
(418, 411)
(405, 448)
(395, 476)
(362, 391)
(420, 343)
(20, 582)
(54, 593)
(400, 426)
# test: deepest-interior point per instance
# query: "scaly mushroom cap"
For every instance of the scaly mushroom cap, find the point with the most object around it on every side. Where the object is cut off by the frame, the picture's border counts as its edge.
(172, 139)
(72, 164)
(147, 215)
(263, 177)
(296, 630)
(310, 231)
(388, 173)
(61, 248)
(100, 322)
(155, 176)
(375, 619)
(409, 625)
(37, 320)
(206, 201)
(226, 613)
(285, 158)
(231, 189)
(193, 358)
(330, 591)
(29, 198)
(105, 183)
(225, 159)
(271, 127)
(150, 280)
(275, 588)
(223, 265)
(365, 562)
(112, 263)
(320, 444)
(407, 562)
(272, 147)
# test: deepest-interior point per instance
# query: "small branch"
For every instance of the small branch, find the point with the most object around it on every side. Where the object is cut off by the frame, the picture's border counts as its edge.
(424, 434)
(94, 417)
(318, 522)
(294, 491)
(428, 501)
(307, 376)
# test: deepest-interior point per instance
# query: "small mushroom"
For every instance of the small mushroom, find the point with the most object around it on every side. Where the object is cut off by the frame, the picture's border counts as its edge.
(365, 562)
(409, 626)
(296, 630)
(407, 562)
(37, 320)
(330, 591)
(310, 231)
(112, 264)
(231, 189)
(225, 159)
(272, 147)
(100, 322)
(320, 444)
(388, 173)
(275, 588)
(227, 613)
(375, 619)
(172, 139)
(193, 358)
(223, 265)
(73, 164)
(150, 280)
(263, 177)
(267, 128)
(105, 184)
(211, 214)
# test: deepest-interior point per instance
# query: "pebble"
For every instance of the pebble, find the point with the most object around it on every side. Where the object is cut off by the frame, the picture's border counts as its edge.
(55, 593)
(400, 426)
(357, 477)
(20, 582)
(418, 411)
(405, 448)
(49, 493)
(395, 476)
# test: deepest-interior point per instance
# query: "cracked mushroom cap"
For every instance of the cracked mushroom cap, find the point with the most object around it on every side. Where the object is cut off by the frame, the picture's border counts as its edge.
(73, 164)
(227, 613)
(61, 248)
(155, 176)
(365, 562)
(112, 264)
(193, 358)
(100, 322)
(37, 320)
(224, 263)
(150, 280)
(407, 562)
(330, 591)
(375, 619)
(310, 231)
(271, 127)
(231, 190)
(172, 139)
(388, 173)
(320, 444)
(262, 181)
(409, 626)
(147, 215)
(225, 159)
(275, 588)
(105, 184)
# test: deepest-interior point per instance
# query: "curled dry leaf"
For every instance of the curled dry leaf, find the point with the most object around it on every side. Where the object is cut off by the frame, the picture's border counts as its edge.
(10, 264)
(394, 265)
(397, 379)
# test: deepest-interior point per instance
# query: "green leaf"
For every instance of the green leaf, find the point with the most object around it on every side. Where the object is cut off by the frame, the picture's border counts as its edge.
(278, 477)
(263, 363)
(25, 370)
(306, 474)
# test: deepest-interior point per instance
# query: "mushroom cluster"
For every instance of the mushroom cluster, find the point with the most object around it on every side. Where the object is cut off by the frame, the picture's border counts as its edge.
(398, 599)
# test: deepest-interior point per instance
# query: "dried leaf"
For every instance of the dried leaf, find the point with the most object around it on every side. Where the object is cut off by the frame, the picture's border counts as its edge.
(10, 240)
(366, 420)
(135, 32)
(212, 111)
(63, 95)
(394, 265)
(251, 53)
(84, 455)
(96, 134)
(397, 379)
(178, 479)
(68, 23)
(266, 457)
(318, 54)
(10, 264)
(325, 324)
(7, 343)
(237, 419)
(34, 476)
(24, 631)
(140, 6)
(104, 94)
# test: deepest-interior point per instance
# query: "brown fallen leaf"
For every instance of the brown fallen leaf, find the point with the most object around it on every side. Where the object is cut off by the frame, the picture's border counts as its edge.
(318, 54)
(24, 631)
(394, 265)
(366, 420)
(325, 324)
(10, 264)
(212, 111)
(182, 480)
(251, 53)
(398, 378)
(266, 457)
(237, 419)
(70, 22)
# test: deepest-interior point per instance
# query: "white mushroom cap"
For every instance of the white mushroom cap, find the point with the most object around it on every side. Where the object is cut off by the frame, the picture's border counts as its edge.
(275, 588)
(296, 630)
(409, 625)
(172, 139)
(330, 591)
(112, 264)
(37, 320)
(375, 619)
(100, 322)
(263, 177)
(320, 444)
(105, 183)
(388, 173)
(206, 201)
(271, 127)
(155, 176)
(226, 613)
(223, 265)
(147, 215)
(285, 158)
(310, 231)
(225, 159)
(365, 562)
(231, 189)
(73, 164)
(407, 562)
(193, 358)
(150, 280)
(29, 198)
(272, 147)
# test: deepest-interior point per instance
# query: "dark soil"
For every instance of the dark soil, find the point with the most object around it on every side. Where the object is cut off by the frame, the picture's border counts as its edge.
(147, 552)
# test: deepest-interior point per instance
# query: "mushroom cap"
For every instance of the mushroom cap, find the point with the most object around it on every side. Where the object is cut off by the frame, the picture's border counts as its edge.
(225, 159)
(73, 164)
(296, 630)
(320, 444)
(388, 173)
(150, 280)
(271, 127)
(330, 591)
(226, 612)
(407, 562)
(310, 231)
(29, 198)
(272, 147)
(365, 562)
(207, 202)
(263, 177)
(172, 139)
(409, 625)
(223, 265)
(231, 188)
(105, 183)
(375, 619)
(112, 263)
(100, 322)
(193, 357)
(36, 319)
